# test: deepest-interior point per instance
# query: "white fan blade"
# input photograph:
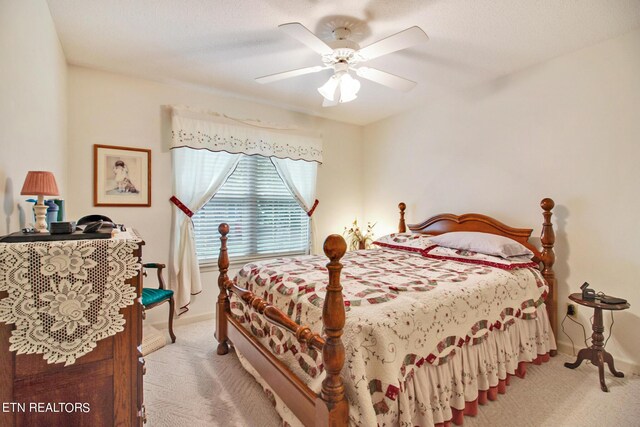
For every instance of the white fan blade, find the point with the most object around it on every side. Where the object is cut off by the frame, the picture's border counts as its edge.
(302, 34)
(287, 74)
(402, 40)
(386, 79)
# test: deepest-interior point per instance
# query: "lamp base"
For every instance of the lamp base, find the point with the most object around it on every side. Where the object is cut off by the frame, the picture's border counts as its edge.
(41, 215)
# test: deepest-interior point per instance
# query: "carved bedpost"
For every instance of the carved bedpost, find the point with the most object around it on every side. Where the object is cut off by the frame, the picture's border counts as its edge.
(548, 238)
(223, 299)
(402, 227)
(333, 410)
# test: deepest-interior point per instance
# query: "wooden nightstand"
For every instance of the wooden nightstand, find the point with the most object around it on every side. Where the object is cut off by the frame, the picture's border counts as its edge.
(596, 353)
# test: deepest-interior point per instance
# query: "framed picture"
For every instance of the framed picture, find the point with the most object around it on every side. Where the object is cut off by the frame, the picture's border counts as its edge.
(121, 176)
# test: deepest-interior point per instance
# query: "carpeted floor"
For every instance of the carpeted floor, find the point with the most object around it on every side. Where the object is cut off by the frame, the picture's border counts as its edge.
(188, 385)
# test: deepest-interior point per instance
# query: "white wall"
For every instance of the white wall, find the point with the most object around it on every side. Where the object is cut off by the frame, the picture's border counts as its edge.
(32, 105)
(112, 109)
(568, 129)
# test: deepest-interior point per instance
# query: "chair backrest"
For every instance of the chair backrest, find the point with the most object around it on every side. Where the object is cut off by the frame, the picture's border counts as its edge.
(159, 268)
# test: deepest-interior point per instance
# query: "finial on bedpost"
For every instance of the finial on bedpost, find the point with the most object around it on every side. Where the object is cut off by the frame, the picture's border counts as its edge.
(402, 227)
(333, 354)
(223, 299)
(548, 238)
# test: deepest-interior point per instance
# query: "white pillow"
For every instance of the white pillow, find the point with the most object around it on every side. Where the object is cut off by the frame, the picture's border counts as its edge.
(485, 243)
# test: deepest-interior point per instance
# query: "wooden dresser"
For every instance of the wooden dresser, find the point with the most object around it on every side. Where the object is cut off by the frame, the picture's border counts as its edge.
(106, 383)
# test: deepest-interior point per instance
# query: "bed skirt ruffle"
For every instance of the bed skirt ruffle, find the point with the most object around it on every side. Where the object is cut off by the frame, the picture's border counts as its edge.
(442, 395)
(484, 396)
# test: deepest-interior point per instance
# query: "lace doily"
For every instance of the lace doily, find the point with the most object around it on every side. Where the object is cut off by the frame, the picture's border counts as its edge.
(65, 296)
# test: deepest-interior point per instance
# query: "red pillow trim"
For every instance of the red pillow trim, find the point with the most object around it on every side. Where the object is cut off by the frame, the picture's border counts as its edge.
(400, 248)
(425, 253)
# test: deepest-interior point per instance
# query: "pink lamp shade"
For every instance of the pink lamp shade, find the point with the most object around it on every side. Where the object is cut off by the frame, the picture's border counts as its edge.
(40, 183)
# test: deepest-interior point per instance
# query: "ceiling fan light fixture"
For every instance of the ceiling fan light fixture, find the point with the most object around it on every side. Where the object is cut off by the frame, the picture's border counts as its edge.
(349, 88)
(340, 88)
(328, 90)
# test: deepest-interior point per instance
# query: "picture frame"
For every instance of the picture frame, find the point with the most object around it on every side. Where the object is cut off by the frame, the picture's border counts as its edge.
(121, 176)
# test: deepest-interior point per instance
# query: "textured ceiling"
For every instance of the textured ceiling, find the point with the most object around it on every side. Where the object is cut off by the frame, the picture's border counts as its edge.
(224, 44)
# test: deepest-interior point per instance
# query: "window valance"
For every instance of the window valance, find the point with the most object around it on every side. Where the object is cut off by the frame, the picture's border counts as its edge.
(217, 132)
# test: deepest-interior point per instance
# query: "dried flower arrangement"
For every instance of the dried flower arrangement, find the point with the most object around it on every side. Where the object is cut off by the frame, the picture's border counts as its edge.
(356, 239)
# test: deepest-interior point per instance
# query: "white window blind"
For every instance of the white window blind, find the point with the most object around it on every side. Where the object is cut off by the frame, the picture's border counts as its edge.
(264, 218)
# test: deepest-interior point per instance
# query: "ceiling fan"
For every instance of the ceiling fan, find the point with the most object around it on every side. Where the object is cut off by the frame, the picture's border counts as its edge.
(344, 55)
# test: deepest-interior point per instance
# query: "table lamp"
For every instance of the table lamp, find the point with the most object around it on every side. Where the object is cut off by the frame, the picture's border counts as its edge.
(40, 183)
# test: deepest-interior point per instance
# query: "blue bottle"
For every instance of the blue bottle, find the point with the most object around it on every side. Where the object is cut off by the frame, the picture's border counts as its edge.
(52, 211)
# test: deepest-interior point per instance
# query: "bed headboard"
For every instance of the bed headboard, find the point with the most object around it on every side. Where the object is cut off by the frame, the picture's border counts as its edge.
(445, 223)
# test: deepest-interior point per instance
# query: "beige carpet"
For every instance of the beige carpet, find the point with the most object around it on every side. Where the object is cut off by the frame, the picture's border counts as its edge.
(188, 385)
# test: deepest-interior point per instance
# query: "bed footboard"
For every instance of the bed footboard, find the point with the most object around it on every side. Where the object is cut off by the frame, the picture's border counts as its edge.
(222, 307)
(330, 408)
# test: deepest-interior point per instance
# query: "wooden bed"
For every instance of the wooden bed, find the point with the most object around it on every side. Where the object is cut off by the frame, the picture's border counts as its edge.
(330, 407)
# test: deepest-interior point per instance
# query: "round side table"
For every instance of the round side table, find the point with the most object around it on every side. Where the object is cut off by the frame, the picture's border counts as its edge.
(596, 353)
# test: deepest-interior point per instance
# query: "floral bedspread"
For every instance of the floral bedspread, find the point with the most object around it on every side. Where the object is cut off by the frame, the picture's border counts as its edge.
(403, 310)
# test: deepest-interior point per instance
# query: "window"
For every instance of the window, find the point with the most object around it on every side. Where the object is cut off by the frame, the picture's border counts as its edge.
(264, 218)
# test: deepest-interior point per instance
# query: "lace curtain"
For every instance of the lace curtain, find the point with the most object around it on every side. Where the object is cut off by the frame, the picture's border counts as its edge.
(300, 178)
(197, 177)
(206, 148)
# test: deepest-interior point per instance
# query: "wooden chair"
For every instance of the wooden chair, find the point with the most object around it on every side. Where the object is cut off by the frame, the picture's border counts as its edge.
(152, 297)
